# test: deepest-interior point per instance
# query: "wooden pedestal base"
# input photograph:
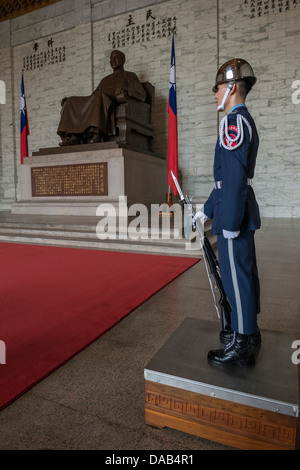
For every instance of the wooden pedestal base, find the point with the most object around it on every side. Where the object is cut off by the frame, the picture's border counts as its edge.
(218, 420)
(247, 408)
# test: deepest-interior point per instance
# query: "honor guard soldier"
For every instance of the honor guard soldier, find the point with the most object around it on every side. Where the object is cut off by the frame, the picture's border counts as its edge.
(235, 213)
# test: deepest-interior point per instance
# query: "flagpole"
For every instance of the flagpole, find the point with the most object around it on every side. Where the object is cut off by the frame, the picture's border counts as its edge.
(24, 127)
(172, 128)
(169, 200)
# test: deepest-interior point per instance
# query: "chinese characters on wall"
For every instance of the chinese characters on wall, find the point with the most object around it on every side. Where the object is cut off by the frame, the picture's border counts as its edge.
(260, 8)
(44, 54)
(139, 33)
(89, 179)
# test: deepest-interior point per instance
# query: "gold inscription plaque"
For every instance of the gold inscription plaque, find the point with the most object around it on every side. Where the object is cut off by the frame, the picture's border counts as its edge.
(87, 179)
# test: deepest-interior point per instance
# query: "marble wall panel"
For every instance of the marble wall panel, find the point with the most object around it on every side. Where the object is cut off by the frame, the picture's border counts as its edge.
(207, 34)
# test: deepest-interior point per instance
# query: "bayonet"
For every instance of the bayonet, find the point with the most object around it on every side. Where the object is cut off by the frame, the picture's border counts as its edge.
(211, 263)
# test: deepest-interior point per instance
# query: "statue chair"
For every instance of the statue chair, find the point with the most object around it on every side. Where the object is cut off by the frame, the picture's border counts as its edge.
(134, 120)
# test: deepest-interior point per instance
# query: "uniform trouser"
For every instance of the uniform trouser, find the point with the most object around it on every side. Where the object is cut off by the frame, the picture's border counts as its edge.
(240, 280)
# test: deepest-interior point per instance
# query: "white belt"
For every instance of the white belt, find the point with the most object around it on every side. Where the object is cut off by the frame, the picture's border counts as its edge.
(218, 184)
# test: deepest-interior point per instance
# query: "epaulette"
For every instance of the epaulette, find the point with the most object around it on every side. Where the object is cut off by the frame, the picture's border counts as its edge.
(226, 140)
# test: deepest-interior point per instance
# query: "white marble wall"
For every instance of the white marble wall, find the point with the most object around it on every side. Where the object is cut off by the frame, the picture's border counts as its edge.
(8, 150)
(208, 33)
(271, 43)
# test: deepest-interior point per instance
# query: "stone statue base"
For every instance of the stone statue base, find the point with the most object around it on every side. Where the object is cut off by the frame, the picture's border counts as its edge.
(75, 180)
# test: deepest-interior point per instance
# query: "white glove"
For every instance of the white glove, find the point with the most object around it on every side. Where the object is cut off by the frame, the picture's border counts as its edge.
(229, 235)
(199, 216)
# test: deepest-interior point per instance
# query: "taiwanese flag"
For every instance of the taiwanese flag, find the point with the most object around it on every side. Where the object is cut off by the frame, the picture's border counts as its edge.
(24, 124)
(172, 127)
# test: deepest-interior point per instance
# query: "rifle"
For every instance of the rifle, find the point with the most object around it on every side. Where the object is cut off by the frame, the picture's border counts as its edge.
(211, 264)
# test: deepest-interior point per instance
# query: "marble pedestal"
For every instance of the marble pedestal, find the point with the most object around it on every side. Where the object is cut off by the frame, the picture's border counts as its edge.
(140, 177)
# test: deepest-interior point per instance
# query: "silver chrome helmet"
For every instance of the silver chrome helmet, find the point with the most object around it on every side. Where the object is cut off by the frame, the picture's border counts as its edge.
(232, 70)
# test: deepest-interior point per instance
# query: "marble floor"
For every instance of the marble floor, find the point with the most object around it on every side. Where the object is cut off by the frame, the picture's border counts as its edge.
(96, 400)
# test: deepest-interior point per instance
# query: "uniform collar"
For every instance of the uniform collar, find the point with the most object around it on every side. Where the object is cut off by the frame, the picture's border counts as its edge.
(236, 106)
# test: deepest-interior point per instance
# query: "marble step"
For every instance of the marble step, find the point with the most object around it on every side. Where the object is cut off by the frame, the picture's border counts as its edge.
(61, 231)
(88, 239)
(145, 246)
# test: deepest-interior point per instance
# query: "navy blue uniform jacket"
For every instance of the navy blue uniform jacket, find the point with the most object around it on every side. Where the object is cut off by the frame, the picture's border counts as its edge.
(234, 207)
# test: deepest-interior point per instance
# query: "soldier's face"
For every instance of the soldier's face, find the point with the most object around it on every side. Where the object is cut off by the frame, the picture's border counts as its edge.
(220, 93)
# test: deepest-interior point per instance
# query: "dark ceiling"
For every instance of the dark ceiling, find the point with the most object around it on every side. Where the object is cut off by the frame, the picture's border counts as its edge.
(12, 8)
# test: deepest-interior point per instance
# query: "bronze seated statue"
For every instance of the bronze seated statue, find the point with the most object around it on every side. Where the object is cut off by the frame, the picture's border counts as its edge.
(120, 109)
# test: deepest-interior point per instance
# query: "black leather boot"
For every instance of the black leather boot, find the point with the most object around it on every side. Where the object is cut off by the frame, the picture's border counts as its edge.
(238, 351)
(226, 336)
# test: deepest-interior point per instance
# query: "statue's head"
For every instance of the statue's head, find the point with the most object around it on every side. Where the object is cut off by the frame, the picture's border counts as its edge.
(117, 59)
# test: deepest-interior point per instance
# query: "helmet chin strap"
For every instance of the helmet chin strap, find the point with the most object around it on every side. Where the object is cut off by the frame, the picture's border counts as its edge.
(229, 88)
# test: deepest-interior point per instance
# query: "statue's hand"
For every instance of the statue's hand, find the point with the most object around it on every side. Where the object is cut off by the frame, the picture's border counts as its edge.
(121, 95)
(121, 90)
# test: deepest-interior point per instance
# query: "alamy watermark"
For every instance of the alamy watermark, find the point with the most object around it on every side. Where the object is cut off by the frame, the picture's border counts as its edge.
(296, 354)
(138, 222)
(2, 352)
(2, 92)
(296, 94)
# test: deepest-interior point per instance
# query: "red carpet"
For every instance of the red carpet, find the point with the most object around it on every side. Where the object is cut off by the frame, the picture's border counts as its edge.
(56, 301)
